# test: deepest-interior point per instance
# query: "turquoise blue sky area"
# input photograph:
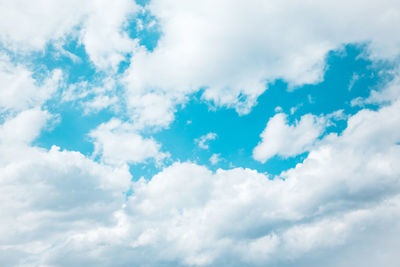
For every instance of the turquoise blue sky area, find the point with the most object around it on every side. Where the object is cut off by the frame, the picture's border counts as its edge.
(348, 75)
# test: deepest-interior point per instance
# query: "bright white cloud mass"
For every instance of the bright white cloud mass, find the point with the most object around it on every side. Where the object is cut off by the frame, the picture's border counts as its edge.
(278, 138)
(291, 156)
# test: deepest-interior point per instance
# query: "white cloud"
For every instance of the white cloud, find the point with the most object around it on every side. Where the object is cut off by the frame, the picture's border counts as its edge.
(23, 128)
(48, 195)
(105, 40)
(215, 158)
(100, 102)
(28, 26)
(45, 196)
(295, 108)
(353, 81)
(278, 109)
(234, 48)
(19, 90)
(203, 140)
(390, 93)
(280, 138)
(151, 109)
(120, 143)
(93, 98)
(231, 217)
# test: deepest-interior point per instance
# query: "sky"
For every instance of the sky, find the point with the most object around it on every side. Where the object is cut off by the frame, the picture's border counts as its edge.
(199, 133)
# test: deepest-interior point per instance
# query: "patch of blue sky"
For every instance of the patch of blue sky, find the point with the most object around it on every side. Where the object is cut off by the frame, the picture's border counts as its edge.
(71, 132)
(74, 124)
(142, 2)
(74, 61)
(68, 55)
(238, 135)
(145, 28)
(146, 170)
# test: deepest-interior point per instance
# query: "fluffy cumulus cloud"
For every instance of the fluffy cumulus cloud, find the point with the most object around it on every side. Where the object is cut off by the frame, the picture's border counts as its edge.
(120, 143)
(47, 195)
(24, 127)
(342, 201)
(232, 49)
(285, 140)
(19, 90)
(28, 26)
(215, 158)
(203, 140)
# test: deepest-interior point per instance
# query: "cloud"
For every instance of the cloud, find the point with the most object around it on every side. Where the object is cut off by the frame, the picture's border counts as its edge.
(23, 128)
(215, 158)
(105, 40)
(344, 197)
(28, 26)
(47, 195)
(93, 97)
(120, 143)
(280, 138)
(151, 109)
(19, 90)
(390, 93)
(252, 45)
(203, 140)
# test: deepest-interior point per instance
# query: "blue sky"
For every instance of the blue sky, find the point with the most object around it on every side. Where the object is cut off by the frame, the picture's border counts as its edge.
(199, 133)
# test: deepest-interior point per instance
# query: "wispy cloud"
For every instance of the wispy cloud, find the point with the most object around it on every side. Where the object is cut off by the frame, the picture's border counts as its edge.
(203, 141)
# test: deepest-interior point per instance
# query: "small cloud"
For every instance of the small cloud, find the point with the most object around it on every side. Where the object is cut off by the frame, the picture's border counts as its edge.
(215, 158)
(358, 102)
(202, 141)
(337, 115)
(119, 143)
(310, 99)
(353, 81)
(285, 140)
(295, 108)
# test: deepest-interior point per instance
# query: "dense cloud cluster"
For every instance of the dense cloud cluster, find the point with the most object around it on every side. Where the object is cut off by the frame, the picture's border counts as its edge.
(237, 214)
